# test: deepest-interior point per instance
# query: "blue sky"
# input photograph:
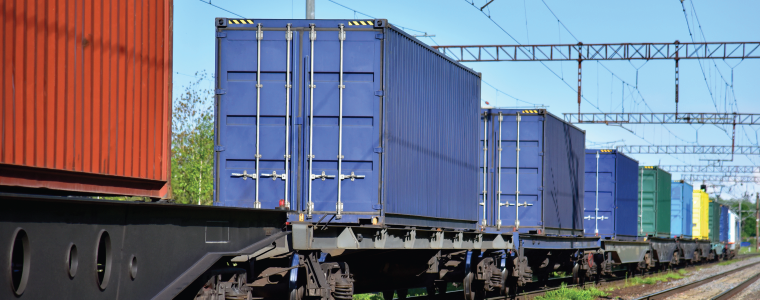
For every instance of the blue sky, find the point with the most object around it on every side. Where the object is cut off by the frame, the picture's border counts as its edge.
(610, 85)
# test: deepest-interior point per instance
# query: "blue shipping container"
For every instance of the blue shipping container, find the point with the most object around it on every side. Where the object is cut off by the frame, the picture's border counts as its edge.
(681, 209)
(724, 219)
(546, 181)
(347, 120)
(612, 178)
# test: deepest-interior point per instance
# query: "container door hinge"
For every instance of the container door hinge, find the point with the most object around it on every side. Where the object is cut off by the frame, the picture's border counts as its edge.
(379, 93)
(379, 36)
(221, 34)
(377, 206)
(221, 91)
(218, 148)
(299, 121)
(540, 154)
(540, 188)
(378, 149)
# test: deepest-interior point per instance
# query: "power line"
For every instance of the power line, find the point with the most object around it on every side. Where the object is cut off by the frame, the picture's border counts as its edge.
(224, 9)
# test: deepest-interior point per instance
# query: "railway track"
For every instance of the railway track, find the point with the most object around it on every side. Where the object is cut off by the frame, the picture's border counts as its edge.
(683, 288)
(737, 289)
(530, 294)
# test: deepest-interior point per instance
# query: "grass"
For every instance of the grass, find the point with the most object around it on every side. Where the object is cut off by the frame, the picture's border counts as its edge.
(728, 262)
(682, 272)
(565, 293)
(654, 279)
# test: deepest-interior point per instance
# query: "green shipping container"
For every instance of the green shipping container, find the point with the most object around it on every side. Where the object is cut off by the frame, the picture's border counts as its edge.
(714, 222)
(654, 202)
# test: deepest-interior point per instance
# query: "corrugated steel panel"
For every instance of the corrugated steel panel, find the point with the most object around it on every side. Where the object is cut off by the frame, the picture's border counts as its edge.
(430, 126)
(551, 167)
(724, 223)
(617, 189)
(86, 96)
(714, 222)
(700, 215)
(681, 209)
(407, 121)
(654, 202)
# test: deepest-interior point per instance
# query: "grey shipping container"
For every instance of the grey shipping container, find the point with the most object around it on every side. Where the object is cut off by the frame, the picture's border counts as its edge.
(349, 121)
(535, 160)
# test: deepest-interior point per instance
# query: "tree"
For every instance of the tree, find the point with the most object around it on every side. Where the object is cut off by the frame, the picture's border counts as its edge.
(193, 143)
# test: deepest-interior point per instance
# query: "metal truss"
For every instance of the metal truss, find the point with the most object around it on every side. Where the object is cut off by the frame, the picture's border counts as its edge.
(711, 169)
(721, 178)
(622, 51)
(689, 149)
(664, 118)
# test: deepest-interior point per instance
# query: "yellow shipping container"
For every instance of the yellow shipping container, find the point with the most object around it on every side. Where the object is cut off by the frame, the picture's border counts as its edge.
(701, 215)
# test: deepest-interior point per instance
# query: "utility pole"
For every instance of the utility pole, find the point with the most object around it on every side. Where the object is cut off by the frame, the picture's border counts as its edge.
(310, 9)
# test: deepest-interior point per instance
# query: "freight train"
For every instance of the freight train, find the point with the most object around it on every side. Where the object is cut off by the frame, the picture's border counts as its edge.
(350, 158)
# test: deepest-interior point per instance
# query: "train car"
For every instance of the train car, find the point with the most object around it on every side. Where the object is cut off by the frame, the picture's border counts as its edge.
(701, 221)
(681, 209)
(610, 192)
(654, 213)
(733, 231)
(531, 174)
(681, 194)
(654, 202)
(537, 161)
(86, 98)
(368, 137)
(322, 116)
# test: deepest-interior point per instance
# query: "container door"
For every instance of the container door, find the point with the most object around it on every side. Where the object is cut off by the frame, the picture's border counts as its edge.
(601, 222)
(341, 131)
(647, 209)
(688, 204)
(254, 118)
(530, 138)
(676, 209)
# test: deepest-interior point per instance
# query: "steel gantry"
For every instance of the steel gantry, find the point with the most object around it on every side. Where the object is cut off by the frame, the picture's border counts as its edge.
(619, 51)
(688, 149)
(664, 118)
(710, 169)
(721, 178)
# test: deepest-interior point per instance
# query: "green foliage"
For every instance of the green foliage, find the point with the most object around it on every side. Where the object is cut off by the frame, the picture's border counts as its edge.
(193, 143)
(565, 293)
(368, 297)
(653, 279)
(728, 262)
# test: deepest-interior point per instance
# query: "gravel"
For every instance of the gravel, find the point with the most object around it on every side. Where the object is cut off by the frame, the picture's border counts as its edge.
(752, 292)
(696, 275)
(711, 289)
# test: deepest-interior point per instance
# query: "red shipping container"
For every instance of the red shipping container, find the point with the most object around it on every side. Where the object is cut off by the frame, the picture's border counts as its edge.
(86, 89)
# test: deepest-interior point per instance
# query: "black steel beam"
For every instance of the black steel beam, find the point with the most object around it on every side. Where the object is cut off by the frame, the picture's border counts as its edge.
(664, 118)
(710, 169)
(173, 245)
(688, 149)
(621, 51)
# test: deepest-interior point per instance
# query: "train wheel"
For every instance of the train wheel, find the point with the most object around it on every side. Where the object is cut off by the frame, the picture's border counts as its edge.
(577, 276)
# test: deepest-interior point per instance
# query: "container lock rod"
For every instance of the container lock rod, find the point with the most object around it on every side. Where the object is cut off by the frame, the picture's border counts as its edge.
(288, 86)
(310, 204)
(259, 37)
(498, 180)
(485, 168)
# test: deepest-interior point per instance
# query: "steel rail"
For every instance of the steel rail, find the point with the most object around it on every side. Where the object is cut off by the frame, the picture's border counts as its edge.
(679, 289)
(737, 289)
